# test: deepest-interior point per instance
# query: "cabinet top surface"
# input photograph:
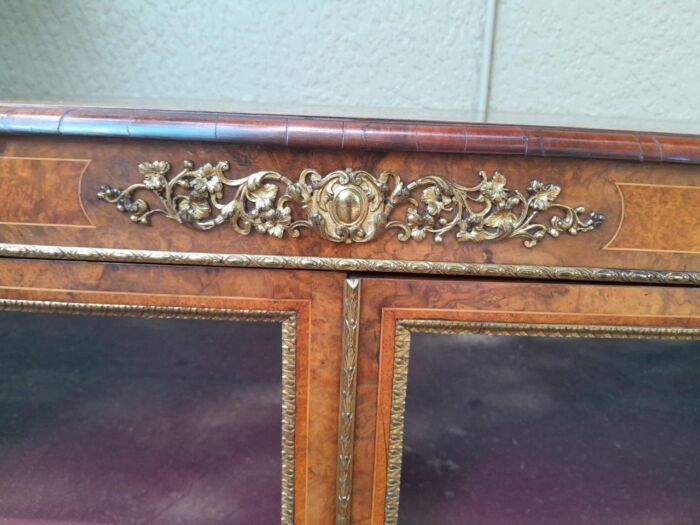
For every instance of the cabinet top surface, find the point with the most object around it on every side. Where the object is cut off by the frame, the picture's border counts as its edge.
(349, 133)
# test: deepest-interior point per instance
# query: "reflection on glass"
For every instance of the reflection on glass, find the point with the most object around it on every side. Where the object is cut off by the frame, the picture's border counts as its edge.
(107, 420)
(507, 430)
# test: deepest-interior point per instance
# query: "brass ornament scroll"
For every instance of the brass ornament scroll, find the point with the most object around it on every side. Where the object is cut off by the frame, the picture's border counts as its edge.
(349, 205)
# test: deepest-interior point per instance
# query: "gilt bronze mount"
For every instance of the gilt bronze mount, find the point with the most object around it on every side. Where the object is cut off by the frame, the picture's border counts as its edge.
(351, 205)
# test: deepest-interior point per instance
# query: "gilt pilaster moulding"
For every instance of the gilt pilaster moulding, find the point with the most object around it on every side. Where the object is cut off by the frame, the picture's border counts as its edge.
(348, 397)
(350, 206)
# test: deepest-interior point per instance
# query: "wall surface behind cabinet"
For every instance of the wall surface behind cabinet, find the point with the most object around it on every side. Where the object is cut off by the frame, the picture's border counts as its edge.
(627, 63)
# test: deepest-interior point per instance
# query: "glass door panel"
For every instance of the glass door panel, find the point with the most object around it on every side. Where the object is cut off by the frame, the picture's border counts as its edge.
(522, 430)
(121, 420)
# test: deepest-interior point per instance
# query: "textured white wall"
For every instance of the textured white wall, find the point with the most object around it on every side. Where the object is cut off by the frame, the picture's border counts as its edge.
(621, 63)
(401, 54)
(598, 60)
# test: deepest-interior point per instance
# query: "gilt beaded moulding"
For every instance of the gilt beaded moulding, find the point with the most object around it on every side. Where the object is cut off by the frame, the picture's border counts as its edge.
(351, 205)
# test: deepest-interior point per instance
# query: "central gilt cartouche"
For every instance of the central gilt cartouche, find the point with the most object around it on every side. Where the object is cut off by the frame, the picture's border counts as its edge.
(351, 205)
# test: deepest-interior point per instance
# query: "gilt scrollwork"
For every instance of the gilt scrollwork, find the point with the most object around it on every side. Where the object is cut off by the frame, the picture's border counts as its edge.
(488, 211)
(352, 205)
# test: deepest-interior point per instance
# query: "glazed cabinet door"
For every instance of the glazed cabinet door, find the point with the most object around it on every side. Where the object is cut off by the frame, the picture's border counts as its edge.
(143, 394)
(513, 403)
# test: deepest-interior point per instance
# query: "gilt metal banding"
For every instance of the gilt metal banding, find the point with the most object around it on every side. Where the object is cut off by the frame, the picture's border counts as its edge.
(351, 205)
(242, 260)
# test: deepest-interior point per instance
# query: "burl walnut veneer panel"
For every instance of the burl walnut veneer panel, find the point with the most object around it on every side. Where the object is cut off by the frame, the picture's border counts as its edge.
(385, 303)
(650, 211)
(313, 298)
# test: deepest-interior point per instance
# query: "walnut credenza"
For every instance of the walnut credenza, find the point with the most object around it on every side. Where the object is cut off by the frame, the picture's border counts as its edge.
(357, 239)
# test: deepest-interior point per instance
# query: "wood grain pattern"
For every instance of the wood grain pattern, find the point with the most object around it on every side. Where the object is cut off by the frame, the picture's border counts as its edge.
(588, 182)
(384, 301)
(646, 185)
(351, 134)
(655, 219)
(316, 298)
(42, 191)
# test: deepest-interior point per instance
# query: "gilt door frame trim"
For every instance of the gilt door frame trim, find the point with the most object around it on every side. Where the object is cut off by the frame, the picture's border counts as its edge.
(402, 342)
(464, 269)
(287, 318)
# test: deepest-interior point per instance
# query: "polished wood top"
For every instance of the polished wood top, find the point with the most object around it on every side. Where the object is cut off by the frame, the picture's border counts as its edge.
(349, 133)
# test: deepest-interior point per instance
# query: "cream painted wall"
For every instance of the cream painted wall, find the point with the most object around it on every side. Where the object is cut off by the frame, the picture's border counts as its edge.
(615, 63)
